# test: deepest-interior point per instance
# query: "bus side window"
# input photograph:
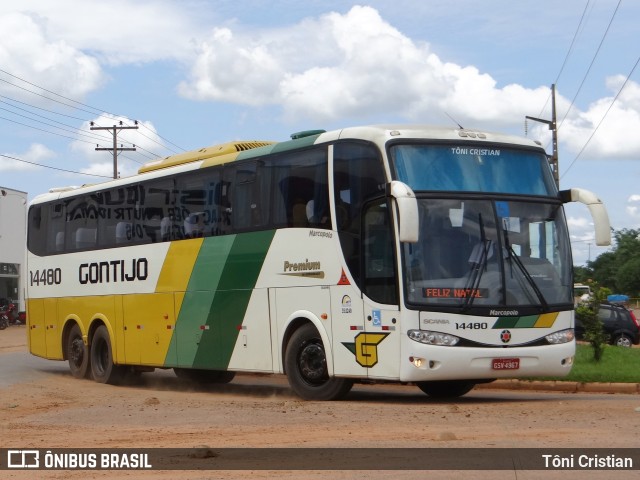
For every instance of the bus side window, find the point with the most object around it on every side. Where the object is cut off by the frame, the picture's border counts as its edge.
(37, 230)
(300, 192)
(248, 195)
(85, 238)
(358, 175)
(378, 253)
(123, 232)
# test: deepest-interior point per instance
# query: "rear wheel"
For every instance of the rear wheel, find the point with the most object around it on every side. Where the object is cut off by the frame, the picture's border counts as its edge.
(204, 376)
(446, 388)
(102, 367)
(77, 353)
(306, 367)
(622, 340)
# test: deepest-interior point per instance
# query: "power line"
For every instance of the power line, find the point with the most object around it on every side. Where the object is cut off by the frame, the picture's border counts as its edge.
(93, 111)
(43, 130)
(40, 108)
(566, 58)
(69, 128)
(591, 64)
(52, 168)
(603, 117)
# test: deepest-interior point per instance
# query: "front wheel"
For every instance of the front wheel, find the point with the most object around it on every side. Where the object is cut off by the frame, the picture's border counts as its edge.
(622, 340)
(102, 367)
(4, 322)
(77, 353)
(306, 366)
(446, 388)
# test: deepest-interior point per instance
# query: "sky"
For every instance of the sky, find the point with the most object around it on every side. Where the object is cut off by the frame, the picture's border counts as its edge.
(195, 73)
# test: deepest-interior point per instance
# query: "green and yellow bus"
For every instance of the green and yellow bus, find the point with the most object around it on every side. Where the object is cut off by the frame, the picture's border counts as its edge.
(433, 256)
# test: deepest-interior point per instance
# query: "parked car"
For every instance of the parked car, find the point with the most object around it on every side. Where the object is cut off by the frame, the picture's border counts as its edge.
(618, 322)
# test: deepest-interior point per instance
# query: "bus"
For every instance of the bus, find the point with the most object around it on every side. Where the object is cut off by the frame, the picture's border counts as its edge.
(430, 256)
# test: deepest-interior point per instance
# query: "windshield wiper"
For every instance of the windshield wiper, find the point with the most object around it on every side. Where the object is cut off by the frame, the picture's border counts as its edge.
(478, 262)
(513, 256)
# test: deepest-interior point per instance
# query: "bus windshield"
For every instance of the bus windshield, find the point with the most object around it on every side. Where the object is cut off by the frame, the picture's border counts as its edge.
(489, 253)
(497, 251)
(428, 167)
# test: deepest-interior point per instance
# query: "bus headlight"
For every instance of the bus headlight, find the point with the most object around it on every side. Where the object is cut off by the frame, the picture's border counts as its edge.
(433, 338)
(563, 336)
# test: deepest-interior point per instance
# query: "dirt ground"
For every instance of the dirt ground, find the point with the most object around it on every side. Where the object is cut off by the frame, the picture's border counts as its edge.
(47, 408)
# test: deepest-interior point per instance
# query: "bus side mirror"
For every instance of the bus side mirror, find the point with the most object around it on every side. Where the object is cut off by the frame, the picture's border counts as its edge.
(597, 210)
(407, 205)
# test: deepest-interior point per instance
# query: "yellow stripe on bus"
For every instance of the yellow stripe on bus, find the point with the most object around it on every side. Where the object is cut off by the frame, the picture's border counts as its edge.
(546, 320)
(178, 265)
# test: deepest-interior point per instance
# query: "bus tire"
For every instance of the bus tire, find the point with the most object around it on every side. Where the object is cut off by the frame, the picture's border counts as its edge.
(102, 367)
(306, 367)
(446, 388)
(204, 376)
(77, 353)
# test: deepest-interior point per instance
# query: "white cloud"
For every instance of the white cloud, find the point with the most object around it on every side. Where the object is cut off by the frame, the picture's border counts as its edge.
(37, 153)
(336, 66)
(119, 31)
(27, 52)
(618, 122)
(354, 64)
(578, 222)
(633, 207)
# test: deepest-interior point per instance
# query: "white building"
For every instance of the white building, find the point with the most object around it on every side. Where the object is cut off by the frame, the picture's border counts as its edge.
(13, 238)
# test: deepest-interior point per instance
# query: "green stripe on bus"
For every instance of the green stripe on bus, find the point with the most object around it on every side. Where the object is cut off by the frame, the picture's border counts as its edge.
(231, 299)
(196, 305)
(528, 321)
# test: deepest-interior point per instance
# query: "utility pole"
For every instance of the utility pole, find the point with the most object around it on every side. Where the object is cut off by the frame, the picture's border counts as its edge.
(115, 149)
(553, 161)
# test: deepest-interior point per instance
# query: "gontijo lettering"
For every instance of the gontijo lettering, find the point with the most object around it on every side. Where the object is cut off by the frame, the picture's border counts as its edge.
(114, 271)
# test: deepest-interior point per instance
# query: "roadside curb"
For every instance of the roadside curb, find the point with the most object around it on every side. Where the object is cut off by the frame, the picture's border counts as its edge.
(558, 386)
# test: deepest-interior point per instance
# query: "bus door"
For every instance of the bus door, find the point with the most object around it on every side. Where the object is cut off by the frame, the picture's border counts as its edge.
(378, 347)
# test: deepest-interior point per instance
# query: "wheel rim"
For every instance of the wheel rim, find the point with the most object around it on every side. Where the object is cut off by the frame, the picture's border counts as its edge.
(312, 363)
(623, 342)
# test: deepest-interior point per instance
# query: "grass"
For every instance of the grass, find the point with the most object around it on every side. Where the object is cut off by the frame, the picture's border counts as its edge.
(618, 365)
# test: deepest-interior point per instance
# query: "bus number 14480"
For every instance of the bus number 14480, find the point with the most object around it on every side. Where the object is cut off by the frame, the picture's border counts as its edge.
(46, 276)
(472, 326)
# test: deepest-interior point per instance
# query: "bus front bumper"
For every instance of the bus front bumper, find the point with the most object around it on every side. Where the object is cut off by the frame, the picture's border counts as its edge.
(428, 362)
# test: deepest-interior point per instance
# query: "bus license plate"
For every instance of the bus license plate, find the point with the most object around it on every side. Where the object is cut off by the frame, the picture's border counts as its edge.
(505, 364)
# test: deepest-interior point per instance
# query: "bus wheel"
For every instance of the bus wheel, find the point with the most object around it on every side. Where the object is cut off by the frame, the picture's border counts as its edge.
(446, 388)
(306, 367)
(204, 376)
(102, 367)
(77, 353)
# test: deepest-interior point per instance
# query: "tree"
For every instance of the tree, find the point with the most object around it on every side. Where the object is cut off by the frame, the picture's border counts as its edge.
(618, 269)
(628, 278)
(593, 329)
(582, 274)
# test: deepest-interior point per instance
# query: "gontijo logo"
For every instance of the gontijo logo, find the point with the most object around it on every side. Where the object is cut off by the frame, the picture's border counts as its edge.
(365, 348)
